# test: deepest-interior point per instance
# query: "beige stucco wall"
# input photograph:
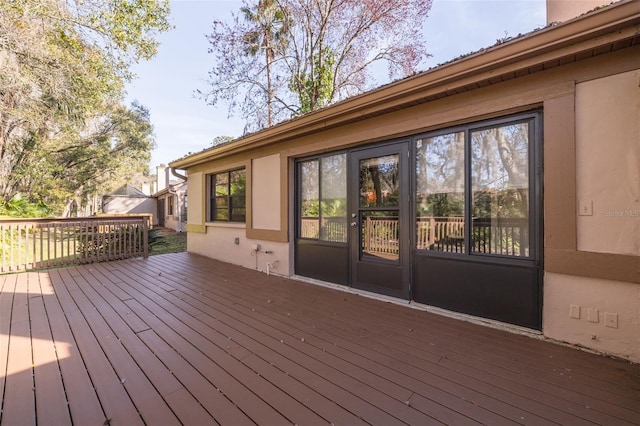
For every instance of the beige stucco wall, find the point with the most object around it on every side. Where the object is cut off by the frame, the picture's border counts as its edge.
(602, 314)
(195, 212)
(265, 193)
(219, 243)
(584, 311)
(608, 164)
(563, 10)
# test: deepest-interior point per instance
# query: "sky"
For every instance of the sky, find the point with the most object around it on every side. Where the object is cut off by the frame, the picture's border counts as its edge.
(184, 123)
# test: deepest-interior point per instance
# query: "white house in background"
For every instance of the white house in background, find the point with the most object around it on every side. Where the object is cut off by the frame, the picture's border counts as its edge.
(128, 200)
(170, 200)
(167, 205)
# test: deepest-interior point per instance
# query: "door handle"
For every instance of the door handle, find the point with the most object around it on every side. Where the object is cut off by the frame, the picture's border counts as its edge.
(354, 224)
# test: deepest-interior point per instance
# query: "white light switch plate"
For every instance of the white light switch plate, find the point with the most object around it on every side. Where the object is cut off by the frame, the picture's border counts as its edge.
(585, 208)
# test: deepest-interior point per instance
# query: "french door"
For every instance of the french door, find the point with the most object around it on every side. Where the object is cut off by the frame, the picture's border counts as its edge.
(379, 221)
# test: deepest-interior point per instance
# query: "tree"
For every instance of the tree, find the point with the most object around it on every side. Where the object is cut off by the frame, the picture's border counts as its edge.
(63, 66)
(270, 28)
(326, 50)
(112, 148)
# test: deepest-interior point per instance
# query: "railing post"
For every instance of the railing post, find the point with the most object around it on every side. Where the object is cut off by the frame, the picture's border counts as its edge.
(145, 236)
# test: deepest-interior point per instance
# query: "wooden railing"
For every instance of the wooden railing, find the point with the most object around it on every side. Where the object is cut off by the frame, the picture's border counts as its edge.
(441, 232)
(332, 229)
(508, 237)
(310, 227)
(380, 234)
(44, 243)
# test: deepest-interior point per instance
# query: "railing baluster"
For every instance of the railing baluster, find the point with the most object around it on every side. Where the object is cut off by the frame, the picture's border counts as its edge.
(75, 242)
(10, 247)
(88, 251)
(66, 240)
(111, 251)
(145, 236)
(135, 233)
(2, 252)
(19, 248)
(55, 244)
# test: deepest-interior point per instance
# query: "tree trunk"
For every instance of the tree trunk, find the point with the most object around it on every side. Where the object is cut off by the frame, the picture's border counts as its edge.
(269, 88)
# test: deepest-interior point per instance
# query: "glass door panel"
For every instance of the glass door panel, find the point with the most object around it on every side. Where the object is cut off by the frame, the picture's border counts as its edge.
(379, 185)
(379, 215)
(379, 181)
(380, 234)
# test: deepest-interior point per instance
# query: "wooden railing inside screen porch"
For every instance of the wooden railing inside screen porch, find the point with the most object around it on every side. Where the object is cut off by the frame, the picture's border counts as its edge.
(45, 243)
(431, 230)
(380, 234)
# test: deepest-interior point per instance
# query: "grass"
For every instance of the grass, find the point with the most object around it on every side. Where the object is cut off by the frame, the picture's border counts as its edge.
(170, 243)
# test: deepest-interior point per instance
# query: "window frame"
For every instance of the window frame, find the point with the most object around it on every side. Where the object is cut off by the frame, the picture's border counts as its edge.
(183, 212)
(298, 203)
(170, 205)
(212, 208)
(534, 163)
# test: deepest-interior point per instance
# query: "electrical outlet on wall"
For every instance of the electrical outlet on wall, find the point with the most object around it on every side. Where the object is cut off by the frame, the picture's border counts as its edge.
(610, 320)
(574, 311)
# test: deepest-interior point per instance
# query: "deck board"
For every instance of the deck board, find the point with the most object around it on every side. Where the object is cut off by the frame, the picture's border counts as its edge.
(7, 289)
(19, 399)
(161, 382)
(259, 398)
(182, 339)
(51, 401)
(114, 399)
(221, 380)
(84, 404)
(142, 392)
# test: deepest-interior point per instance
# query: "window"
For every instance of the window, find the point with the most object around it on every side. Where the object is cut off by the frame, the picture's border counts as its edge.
(500, 190)
(440, 193)
(227, 202)
(183, 213)
(473, 190)
(170, 202)
(322, 207)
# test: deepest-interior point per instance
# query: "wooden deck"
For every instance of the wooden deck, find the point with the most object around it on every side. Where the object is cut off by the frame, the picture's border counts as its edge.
(182, 339)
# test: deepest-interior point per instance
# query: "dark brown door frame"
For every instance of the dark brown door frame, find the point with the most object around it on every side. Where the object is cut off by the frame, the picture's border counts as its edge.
(370, 273)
